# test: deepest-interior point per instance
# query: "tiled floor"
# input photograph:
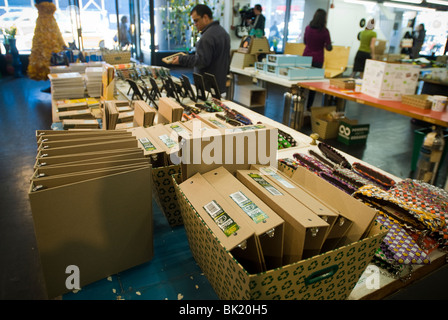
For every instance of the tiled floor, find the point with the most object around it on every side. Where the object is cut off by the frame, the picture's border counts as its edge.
(172, 274)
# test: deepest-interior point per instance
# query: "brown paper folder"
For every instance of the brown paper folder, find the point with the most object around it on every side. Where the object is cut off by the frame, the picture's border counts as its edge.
(230, 229)
(304, 231)
(102, 225)
(268, 226)
(81, 135)
(130, 153)
(46, 143)
(46, 171)
(91, 147)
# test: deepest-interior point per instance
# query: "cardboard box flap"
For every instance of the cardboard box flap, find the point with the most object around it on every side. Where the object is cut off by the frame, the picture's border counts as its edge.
(230, 229)
(268, 226)
(358, 213)
(304, 231)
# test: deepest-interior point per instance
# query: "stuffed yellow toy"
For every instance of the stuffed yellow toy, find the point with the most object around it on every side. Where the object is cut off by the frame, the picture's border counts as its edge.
(47, 39)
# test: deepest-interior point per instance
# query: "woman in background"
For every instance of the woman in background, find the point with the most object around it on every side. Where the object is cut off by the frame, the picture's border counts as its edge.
(316, 39)
(366, 49)
(419, 38)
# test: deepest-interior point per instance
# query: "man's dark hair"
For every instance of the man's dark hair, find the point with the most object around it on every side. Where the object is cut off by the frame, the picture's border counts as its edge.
(258, 7)
(201, 10)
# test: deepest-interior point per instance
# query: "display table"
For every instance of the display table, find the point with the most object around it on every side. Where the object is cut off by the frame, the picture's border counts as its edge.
(386, 284)
(430, 116)
(293, 111)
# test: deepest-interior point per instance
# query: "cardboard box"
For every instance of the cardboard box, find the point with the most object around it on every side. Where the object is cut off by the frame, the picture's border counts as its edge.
(331, 275)
(219, 216)
(164, 138)
(169, 110)
(243, 60)
(343, 83)
(350, 132)
(151, 146)
(304, 231)
(235, 149)
(253, 45)
(389, 81)
(338, 221)
(250, 95)
(143, 114)
(321, 124)
(268, 226)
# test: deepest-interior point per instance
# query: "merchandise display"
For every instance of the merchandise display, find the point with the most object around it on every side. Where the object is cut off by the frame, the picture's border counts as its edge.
(258, 202)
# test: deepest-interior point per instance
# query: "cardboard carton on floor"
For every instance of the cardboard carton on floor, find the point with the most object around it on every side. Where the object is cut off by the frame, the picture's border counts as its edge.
(331, 275)
(219, 216)
(322, 125)
(304, 231)
(268, 226)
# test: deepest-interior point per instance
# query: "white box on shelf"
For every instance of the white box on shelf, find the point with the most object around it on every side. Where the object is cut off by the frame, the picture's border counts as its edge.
(389, 81)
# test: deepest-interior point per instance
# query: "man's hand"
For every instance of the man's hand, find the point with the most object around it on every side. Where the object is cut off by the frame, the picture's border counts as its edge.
(175, 60)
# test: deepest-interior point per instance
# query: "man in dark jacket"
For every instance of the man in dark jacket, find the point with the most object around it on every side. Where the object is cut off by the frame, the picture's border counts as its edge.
(212, 50)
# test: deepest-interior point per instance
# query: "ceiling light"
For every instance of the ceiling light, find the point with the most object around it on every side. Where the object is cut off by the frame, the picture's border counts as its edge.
(409, 1)
(442, 3)
(361, 2)
(405, 6)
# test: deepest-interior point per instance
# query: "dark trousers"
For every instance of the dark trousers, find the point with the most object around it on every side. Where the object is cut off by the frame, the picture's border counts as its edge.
(312, 93)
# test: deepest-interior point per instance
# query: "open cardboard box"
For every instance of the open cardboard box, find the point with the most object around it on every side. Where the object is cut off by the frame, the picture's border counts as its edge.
(330, 275)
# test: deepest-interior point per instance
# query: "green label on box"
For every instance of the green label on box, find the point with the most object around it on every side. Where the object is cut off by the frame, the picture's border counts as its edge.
(222, 219)
(167, 141)
(250, 208)
(262, 182)
(147, 145)
(217, 123)
(177, 128)
(273, 174)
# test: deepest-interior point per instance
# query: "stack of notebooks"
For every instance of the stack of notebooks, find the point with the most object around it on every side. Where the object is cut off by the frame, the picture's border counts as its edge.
(78, 67)
(59, 69)
(69, 85)
(91, 202)
(93, 76)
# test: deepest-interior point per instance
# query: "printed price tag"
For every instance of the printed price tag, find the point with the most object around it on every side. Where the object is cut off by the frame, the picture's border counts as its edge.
(250, 208)
(262, 182)
(222, 219)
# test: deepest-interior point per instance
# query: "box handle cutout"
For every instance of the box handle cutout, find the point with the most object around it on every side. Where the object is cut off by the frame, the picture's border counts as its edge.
(321, 275)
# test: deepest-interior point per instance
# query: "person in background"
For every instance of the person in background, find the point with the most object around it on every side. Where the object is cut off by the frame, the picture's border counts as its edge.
(125, 35)
(274, 36)
(212, 53)
(259, 22)
(366, 49)
(419, 38)
(316, 39)
(407, 34)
